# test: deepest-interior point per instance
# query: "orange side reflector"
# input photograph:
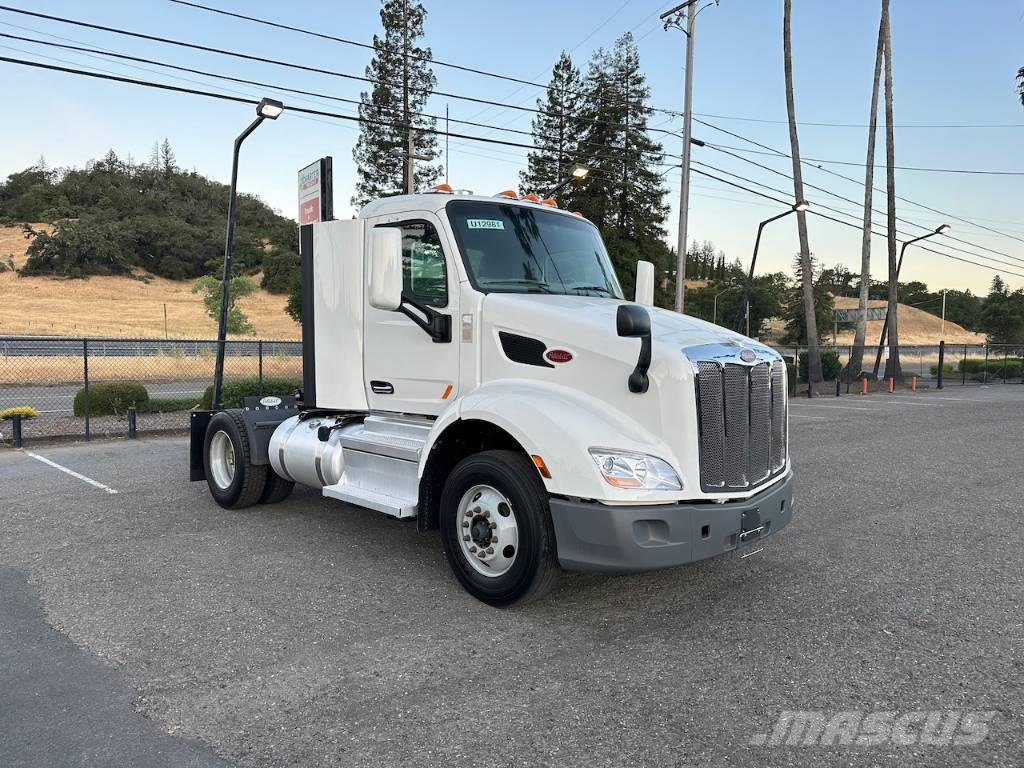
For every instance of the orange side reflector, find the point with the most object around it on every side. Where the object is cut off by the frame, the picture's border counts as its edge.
(442, 188)
(509, 193)
(532, 197)
(447, 391)
(541, 466)
(550, 201)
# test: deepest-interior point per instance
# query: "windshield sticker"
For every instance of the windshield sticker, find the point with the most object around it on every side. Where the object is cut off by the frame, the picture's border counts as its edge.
(485, 223)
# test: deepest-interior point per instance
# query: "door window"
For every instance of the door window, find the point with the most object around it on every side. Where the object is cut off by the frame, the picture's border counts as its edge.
(424, 276)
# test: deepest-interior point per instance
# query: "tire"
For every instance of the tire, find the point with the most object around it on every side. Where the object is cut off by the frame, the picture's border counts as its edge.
(234, 481)
(276, 488)
(479, 485)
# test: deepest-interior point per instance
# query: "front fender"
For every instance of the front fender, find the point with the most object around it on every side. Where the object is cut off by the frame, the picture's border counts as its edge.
(560, 424)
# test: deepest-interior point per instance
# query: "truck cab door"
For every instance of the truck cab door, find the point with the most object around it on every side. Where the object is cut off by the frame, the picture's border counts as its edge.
(406, 370)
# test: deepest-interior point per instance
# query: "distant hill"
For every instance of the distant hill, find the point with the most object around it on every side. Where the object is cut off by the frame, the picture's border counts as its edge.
(915, 326)
(122, 305)
(114, 216)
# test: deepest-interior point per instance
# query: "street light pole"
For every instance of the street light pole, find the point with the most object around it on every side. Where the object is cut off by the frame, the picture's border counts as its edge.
(714, 311)
(266, 109)
(801, 205)
(899, 266)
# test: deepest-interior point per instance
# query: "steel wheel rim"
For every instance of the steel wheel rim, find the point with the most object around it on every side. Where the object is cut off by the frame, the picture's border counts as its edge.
(222, 460)
(487, 531)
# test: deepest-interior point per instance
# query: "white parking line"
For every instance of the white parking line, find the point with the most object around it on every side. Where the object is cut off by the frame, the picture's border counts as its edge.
(71, 472)
(801, 416)
(795, 404)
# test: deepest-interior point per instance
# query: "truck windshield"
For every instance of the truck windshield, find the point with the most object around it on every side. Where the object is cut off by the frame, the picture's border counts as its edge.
(526, 249)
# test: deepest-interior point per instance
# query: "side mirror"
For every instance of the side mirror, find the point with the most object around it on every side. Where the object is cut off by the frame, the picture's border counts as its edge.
(385, 268)
(644, 283)
(633, 321)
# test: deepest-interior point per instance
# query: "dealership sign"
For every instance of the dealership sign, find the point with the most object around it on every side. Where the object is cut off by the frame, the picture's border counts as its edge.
(316, 201)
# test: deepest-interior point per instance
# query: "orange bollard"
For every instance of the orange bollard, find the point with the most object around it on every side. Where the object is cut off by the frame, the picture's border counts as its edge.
(913, 383)
(892, 384)
(864, 385)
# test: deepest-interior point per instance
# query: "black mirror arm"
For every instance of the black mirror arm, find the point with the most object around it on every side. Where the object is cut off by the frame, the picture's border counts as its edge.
(638, 379)
(436, 324)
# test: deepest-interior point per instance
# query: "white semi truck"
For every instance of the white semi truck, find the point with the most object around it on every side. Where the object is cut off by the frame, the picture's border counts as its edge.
(471, 362)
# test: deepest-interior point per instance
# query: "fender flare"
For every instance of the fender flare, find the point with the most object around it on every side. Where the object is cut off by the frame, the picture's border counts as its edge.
(559, 424)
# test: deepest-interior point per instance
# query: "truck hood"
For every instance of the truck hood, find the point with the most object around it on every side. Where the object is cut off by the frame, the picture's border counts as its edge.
(578, 318)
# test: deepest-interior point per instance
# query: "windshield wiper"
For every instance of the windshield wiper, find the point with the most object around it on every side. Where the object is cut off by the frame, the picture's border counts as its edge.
(540, 285)
(601, 288)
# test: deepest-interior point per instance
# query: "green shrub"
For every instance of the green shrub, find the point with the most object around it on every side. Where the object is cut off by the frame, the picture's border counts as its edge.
(948, 371)
(108, 398)
(830, 365)
(168, 404)
(974, 367)
(237, 390)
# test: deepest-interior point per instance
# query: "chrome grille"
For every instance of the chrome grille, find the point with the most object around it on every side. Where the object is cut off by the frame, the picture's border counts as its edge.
(741, 413)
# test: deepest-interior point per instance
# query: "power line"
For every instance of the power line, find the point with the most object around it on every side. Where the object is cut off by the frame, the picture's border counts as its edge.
(293, 65)
(874, 210)
(859, 125)
(338, 116)
(205, 73)
(970, 171)
(804, 161)
(850, 224)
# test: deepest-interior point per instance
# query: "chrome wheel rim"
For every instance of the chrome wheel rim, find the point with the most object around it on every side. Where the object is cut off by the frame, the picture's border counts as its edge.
(222, 460)
(487, 531)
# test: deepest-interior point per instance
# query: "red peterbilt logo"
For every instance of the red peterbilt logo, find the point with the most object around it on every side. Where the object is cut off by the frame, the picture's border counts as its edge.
(558, 355)
(748, 355)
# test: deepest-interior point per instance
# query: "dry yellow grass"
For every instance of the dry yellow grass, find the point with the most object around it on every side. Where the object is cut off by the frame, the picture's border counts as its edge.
(119, 306)
(915, 326)
(69, 369)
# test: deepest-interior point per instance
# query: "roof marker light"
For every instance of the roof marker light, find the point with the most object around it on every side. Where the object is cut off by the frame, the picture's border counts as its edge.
(549, 201)
(532, 197)
(578, 213)
(442, 188)
(509, 193)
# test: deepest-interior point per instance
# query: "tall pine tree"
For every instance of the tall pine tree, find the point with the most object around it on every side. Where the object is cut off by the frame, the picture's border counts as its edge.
(556, 132)
(402, 83)
(625, 193)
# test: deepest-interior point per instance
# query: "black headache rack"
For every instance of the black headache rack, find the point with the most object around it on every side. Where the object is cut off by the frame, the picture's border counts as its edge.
(261, 415)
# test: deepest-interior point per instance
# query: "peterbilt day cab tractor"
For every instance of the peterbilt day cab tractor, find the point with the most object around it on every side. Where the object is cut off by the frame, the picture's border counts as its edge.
(470, 362)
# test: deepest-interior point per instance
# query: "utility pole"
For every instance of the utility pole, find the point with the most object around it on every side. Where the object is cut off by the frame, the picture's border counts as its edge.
(447, 157)
(942, 328)
(407, 174)
(671, 18)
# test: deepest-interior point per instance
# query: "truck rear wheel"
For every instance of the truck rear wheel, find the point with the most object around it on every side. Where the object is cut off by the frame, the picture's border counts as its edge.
(234, 481)
(497, 530)
(276, 488)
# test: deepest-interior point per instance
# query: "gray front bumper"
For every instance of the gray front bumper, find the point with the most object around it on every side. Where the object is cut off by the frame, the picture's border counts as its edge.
(598, 537)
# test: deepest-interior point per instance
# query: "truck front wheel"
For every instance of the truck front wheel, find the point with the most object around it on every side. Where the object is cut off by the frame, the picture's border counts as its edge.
(497, 528)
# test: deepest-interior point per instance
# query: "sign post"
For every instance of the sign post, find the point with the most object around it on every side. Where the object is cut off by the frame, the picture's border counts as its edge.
(316, 196)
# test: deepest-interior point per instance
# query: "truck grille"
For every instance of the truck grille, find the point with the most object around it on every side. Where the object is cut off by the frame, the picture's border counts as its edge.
(741, 412)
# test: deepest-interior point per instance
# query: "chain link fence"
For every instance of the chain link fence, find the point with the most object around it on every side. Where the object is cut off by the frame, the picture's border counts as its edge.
(961, 365)
(99, 387)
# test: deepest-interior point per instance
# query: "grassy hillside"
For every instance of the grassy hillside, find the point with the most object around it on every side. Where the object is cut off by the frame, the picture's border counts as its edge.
(119, 305)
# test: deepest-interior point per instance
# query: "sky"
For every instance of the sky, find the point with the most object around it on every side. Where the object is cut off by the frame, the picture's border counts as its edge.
(954, 63)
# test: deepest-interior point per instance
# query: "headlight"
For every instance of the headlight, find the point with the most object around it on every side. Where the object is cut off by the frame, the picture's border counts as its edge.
(635, 470)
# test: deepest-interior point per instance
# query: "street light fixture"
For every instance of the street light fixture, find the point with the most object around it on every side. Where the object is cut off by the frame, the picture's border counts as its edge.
(797, 207)
(714, 311)
(267, 109)
(577, 173)
(939, 230)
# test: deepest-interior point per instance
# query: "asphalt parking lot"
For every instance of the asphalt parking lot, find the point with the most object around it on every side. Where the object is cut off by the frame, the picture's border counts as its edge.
(150, 627)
